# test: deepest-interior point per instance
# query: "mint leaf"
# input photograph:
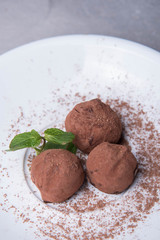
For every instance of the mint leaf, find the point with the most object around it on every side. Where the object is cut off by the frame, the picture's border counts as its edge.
(69, 146)
(51, 145)
(25, 140)
(72, 148)
(58, 136)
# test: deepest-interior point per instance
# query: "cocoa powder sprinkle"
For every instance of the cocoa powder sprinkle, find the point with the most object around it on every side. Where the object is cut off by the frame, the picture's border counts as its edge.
(90, 214)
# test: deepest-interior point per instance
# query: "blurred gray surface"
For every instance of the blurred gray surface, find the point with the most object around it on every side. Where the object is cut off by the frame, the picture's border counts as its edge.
(23, 21)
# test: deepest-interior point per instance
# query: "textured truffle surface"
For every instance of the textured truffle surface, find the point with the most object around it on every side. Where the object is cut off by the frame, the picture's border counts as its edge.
(93, 122)
(111, 167)
(57, 173)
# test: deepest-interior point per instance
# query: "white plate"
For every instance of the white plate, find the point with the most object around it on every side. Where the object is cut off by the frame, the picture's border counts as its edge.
(40, 83)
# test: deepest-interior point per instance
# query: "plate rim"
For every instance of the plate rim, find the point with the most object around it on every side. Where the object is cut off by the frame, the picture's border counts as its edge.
(84, 38)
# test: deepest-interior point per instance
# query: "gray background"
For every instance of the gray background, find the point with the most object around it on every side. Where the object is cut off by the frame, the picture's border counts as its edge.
(23, 21)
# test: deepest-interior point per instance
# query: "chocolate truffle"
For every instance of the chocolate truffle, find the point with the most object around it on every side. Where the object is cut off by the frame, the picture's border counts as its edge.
(92, 123)
(57, 173)
(111, 167)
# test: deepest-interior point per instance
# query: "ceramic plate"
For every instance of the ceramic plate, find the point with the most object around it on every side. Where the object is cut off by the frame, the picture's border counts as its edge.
(40, 84)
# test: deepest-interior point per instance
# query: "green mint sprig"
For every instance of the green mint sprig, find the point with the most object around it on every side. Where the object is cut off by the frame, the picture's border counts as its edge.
(54, 138)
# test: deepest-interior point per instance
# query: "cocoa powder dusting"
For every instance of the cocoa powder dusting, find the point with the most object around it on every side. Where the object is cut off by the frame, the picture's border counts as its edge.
(91, 214)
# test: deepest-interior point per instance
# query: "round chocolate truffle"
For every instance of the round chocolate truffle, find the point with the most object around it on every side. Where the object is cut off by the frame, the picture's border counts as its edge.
(111, 167)
(57, 173)
(92, 123)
